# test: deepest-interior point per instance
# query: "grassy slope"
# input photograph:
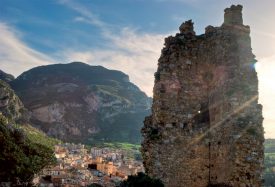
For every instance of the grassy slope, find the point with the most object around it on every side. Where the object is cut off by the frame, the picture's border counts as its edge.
(35, 135)
(23, 152)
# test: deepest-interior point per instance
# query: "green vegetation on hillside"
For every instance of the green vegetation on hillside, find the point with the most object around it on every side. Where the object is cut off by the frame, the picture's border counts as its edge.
(121, 145)
(22, 154)
(35, 135)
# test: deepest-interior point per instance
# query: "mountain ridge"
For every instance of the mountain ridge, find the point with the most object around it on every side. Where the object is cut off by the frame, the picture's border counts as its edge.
(6, 77)
(82, 103)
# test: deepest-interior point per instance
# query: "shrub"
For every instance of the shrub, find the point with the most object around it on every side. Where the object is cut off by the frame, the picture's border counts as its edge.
(143, 180)
(20, 157)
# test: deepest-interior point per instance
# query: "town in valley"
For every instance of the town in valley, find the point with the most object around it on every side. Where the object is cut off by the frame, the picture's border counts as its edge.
(78, 165)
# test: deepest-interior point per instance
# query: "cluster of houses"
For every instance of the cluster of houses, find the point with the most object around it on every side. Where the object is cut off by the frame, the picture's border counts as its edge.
(78, 166)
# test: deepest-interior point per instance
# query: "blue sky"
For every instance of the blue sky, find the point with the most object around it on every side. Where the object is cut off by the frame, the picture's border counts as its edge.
(126, 35)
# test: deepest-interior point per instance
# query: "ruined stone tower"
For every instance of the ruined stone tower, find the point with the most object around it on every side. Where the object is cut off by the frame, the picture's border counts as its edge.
(206, 123)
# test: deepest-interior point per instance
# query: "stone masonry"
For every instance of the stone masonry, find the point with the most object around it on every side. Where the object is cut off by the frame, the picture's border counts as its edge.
(206, 123)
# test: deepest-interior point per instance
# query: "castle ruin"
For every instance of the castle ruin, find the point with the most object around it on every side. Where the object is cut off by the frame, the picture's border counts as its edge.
(206, 123)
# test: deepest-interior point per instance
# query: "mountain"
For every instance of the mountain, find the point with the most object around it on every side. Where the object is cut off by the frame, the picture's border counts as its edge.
(82, 103)
(6, 77)
(24, 150)
(10, 105)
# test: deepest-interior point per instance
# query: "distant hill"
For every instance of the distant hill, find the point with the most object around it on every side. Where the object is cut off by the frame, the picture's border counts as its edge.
(82, 103)
(5, 76)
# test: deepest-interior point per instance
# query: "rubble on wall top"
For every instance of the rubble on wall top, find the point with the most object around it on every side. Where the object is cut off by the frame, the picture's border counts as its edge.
(187, 28)
(234, 8)
(232, 20)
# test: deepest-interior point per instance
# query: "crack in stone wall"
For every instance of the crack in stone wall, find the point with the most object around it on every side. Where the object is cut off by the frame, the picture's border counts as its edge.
(206, 123)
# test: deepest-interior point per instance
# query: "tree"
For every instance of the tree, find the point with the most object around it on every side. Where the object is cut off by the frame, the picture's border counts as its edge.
(141, 179)
(20, 157)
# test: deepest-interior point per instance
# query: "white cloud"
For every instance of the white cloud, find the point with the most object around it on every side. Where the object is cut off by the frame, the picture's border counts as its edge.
(79, 19)
(135, 54)
(15, 55)
(87, 15)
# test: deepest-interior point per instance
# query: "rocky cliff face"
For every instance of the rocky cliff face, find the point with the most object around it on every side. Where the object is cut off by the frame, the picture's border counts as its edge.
(10, 105)
(78, 102)
(206, 123)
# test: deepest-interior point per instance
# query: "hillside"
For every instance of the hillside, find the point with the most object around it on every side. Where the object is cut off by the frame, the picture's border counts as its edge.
(24, 149)
(6, 77)
(82, 103)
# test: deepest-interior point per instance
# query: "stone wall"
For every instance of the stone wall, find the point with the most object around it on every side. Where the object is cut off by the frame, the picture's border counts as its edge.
(206, 123)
